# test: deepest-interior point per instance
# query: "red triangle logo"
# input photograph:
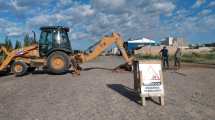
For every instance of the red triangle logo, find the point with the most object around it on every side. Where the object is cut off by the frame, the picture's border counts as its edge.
(155, 75)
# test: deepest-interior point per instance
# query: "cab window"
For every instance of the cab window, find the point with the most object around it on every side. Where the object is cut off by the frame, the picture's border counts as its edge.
(46, 38)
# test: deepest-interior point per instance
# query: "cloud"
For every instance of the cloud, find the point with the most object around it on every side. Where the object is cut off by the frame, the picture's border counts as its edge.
(79, 11)
(24, 8)
(3, 5)
(62, 17)
(16, 6)
(14, 31)
(66, 2)
(101, 17)
(128, 6)
(186, 23)
(41, 20)
(205, 12)
(211, 4)
(132, 18)
(30, 3)
(209, 21)
(167, 7)
(198, 3)
(10, 28)
(110, 4)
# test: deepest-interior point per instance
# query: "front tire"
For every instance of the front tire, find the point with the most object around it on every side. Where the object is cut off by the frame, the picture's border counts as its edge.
(19, 68)
(58, 62)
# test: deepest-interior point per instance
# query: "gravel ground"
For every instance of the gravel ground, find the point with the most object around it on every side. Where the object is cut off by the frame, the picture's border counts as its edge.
(100, 94)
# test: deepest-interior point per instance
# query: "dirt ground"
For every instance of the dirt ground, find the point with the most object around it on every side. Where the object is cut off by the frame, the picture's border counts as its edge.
(100, 94)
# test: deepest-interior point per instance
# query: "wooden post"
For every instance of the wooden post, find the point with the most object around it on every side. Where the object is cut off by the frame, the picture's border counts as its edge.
(161, 100)
(162, 95)
(143, 100)
(143, 97)
(136, 72)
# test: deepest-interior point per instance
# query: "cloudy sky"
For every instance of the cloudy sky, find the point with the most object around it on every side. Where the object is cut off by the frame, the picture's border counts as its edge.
(89, 20)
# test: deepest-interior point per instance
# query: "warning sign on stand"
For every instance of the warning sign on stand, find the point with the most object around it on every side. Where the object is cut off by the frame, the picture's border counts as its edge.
(151, 79)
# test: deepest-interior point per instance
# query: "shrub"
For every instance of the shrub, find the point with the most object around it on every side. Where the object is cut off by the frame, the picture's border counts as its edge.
(199, 58)
(146, 56)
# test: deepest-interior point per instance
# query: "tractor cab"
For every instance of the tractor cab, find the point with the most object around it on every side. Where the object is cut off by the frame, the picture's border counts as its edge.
(54, 38)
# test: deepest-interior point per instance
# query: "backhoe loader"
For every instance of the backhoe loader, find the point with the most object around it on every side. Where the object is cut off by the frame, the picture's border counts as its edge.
(53, 52)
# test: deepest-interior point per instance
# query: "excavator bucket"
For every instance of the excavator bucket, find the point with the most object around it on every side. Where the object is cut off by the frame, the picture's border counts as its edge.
(123, 67)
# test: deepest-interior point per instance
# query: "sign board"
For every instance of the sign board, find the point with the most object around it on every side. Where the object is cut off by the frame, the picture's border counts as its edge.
(151, 83)
(148, 79)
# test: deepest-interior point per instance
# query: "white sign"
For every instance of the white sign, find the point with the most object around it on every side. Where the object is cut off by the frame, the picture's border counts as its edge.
(151, 79)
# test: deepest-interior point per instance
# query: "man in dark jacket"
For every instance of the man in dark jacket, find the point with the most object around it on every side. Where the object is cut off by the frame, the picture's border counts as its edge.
(165, 57)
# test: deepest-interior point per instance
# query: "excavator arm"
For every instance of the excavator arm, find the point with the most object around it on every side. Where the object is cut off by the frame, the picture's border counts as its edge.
(104, 43)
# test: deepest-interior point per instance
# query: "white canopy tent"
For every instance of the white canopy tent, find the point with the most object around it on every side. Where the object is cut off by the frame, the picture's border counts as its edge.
(143, 40)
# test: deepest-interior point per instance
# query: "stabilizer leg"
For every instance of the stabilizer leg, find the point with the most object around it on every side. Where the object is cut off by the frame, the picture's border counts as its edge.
(76, 67)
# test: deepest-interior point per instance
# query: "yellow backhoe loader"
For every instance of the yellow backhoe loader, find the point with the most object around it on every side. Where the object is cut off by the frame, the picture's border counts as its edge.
(54, 53)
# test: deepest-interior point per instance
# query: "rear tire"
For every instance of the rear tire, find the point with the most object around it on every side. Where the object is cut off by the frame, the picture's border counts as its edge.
(58, 62)
(19, 68)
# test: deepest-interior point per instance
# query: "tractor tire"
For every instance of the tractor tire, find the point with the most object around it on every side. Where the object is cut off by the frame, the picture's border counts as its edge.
(19, 68)
(58, 62)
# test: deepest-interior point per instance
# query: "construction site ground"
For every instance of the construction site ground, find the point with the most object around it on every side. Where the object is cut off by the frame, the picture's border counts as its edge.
(100, 94)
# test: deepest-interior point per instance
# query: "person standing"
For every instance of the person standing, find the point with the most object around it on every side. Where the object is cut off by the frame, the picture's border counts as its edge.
(165, 57)
(177, 58)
